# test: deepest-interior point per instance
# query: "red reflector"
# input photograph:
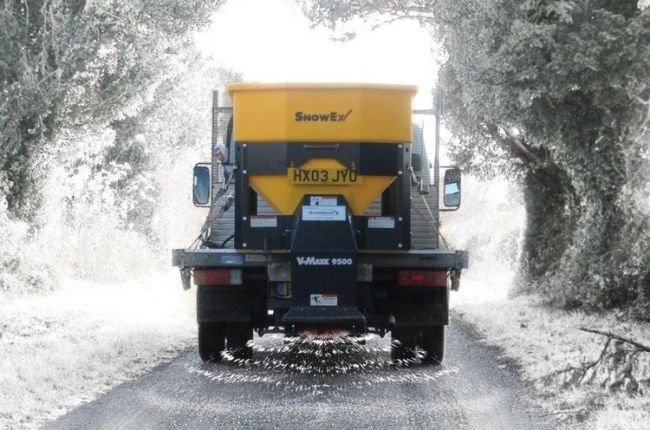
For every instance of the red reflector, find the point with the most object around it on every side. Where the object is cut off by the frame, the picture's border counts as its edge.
(218, 277)
(422, 278)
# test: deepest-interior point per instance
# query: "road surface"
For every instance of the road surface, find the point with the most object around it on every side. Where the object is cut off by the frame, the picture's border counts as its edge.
(292, 385)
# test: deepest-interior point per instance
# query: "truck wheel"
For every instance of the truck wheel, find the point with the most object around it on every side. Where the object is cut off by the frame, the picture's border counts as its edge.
(403, 344)
(432, 341)
(211, 341)
(239, 337)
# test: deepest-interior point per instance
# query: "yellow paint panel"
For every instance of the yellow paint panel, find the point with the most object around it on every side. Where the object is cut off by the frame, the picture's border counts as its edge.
(322, 112)
(285, 196)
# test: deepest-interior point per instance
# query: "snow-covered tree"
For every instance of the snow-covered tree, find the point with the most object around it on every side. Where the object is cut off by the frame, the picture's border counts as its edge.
(99, 100)
(555, 92)
(68, 63)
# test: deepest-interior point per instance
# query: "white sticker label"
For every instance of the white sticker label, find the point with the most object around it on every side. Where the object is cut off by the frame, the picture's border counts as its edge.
(322, 201)
(323, 300)
(323, 213)
(258, 221)
(381, 222)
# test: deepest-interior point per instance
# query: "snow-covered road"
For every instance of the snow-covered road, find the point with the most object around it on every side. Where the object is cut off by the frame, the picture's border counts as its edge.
(65, 348)
(359, 389)
(125, 356)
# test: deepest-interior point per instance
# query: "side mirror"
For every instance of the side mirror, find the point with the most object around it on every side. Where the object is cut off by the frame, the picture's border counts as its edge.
(451, 192)
(201, 185)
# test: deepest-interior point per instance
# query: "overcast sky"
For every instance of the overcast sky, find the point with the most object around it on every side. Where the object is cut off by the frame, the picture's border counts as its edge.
(271, 41)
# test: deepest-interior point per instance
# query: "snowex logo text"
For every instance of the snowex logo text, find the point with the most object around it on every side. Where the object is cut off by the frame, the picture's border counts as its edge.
(322, 117)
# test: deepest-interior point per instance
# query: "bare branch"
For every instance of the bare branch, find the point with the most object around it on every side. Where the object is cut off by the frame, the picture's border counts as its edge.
(610, 335)
(595, 363)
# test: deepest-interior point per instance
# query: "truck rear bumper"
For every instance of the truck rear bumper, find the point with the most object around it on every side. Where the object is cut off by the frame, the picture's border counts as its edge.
(379, 301)
(418, 259)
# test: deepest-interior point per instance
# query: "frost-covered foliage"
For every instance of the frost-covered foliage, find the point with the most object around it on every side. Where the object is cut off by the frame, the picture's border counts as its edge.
(68, 63)
(554, 92)
(489, 224)
(19, 269)
(104, 106)
(112, 207)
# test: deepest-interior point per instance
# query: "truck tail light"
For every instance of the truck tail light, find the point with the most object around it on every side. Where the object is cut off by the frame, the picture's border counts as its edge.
(422, 278)
(217, 277)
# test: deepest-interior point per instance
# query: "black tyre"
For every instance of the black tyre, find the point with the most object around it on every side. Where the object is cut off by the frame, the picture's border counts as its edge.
(239, 341)
(212, 341)
(404, 340)
(432, 341)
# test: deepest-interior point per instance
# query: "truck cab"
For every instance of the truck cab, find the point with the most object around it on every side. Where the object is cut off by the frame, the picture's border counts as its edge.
(326, 220)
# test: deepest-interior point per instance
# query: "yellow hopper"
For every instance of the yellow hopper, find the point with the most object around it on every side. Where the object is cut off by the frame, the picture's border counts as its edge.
(321, 114)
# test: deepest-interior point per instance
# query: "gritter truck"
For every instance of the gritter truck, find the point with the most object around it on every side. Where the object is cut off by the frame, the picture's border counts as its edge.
(323, 217)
